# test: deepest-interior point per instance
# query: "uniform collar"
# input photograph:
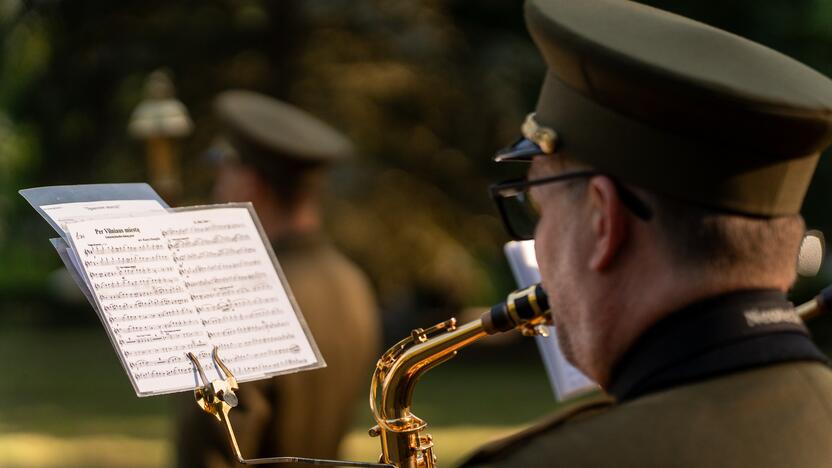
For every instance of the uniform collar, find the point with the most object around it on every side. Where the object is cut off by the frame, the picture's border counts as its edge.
(715, 336)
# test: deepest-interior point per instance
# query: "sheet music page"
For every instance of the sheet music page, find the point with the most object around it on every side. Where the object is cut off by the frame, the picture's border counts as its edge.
(236, 291)
(146, 309)
(65, 213)
(189, 281)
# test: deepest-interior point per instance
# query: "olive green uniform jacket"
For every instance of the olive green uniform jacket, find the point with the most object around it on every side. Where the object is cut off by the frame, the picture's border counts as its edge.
(778, 416)
(723, 383)
(305, 414)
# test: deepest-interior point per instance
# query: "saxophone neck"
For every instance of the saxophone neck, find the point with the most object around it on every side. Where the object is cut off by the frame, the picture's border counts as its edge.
(399, 369)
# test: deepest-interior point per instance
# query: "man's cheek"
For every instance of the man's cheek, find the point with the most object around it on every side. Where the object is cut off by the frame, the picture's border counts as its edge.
(540, 247)
(544, 254)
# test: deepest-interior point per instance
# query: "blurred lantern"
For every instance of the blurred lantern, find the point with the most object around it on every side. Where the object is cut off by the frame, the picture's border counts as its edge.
(160, 119)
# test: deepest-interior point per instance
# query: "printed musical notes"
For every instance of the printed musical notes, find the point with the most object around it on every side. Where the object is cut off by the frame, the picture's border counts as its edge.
(188, 281)
(185, 242)
(143, 299)
(236, 291)
(122, 261)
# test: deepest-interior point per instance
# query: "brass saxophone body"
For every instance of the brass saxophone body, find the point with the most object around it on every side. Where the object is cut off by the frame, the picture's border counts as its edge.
(403, 440)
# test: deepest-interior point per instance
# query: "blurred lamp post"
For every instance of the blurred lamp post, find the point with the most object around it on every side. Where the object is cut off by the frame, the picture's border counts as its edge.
(160, 119)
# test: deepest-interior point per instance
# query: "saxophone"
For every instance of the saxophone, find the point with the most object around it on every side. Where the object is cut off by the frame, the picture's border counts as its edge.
(404, 443)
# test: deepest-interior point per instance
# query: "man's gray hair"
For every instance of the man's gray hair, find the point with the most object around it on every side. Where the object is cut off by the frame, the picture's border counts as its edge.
(698, 236)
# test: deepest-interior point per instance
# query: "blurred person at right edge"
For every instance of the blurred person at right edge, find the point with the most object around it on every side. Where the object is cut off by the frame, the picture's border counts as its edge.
(668, 165)
(276, 155)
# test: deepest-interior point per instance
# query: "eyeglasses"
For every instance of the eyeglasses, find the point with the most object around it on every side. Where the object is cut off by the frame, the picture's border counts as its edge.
(520, 213)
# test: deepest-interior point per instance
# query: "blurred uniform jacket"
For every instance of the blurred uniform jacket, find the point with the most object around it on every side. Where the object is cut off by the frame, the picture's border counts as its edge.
(742, 398)
(308, 413)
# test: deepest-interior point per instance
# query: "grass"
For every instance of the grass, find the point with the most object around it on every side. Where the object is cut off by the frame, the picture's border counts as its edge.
(65, 401)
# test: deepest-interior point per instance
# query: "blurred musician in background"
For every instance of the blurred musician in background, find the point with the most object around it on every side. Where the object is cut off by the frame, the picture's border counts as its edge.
(276, 155)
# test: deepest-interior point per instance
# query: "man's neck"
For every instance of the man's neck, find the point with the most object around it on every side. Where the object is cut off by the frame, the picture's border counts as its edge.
(641, 299)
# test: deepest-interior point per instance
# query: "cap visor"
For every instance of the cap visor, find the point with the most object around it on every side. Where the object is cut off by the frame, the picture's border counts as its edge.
(523, 150)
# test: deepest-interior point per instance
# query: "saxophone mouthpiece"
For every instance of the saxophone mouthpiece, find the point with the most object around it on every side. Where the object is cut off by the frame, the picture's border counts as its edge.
(520, 308)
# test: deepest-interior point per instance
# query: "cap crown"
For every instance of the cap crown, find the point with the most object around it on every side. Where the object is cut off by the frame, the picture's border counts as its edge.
(259, 124)
(679, 106)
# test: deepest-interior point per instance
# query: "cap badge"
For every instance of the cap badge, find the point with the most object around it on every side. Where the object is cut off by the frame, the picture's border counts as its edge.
(544, 137)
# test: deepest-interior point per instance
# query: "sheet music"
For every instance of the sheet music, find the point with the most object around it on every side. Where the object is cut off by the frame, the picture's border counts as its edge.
(233, 284)
(189, 281)
(63, 214)
(66, 213)
(566, 379)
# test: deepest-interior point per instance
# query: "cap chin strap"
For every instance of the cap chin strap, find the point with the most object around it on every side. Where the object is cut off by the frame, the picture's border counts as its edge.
(544, 137)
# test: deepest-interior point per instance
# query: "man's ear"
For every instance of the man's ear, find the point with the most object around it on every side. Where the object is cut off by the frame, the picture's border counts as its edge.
(609, 222)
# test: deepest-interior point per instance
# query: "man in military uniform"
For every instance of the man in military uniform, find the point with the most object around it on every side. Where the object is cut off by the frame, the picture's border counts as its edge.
(669, 161)
(275, 156)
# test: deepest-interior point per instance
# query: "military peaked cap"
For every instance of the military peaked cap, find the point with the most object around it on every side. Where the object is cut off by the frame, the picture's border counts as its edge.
(675, 106)
(264, 131)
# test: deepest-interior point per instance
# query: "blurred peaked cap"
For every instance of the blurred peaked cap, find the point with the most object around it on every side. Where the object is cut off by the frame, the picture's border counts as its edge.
(676, 106)
(264, 130)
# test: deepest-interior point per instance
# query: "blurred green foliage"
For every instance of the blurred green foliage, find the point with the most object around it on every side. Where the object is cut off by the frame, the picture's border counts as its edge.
(427, 89)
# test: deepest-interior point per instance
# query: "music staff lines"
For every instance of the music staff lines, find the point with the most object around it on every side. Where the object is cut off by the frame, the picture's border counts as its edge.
(217, 280)
(200, 229)
(172, 326)
(296, 362)
(239, 357)
(134, 283)
(219, 267)
(193, 345)
(231, 292)
(241, 317)
(142, 363)
(144, 304)
(98, 250)
(230, 305)
(247, 329)
(155, 338)
(117, 261)
(130, 271)
(227, 252)
(256, 341)
(153, 374)
(201, 241)
(155, 315)
(136, 294)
